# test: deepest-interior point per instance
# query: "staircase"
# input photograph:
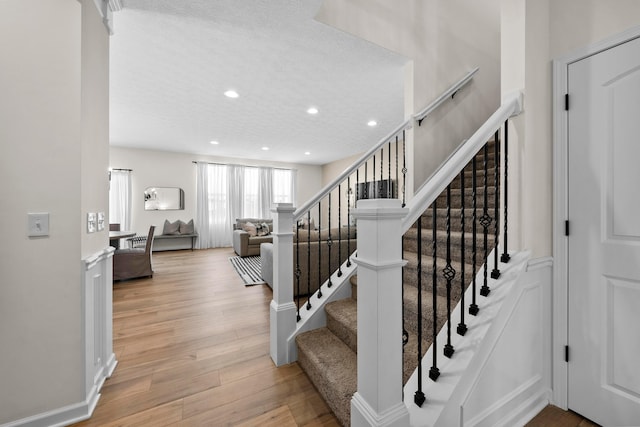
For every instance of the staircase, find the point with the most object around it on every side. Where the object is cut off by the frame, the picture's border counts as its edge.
(328, 354)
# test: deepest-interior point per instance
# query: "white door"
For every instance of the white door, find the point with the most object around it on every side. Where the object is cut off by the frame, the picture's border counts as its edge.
(604, 239)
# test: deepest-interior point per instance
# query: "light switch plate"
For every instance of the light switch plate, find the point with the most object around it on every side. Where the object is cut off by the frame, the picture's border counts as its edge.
(91, 222)
(38, 224)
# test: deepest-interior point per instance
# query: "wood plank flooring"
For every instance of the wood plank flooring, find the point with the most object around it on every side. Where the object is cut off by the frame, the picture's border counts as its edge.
(192, 345)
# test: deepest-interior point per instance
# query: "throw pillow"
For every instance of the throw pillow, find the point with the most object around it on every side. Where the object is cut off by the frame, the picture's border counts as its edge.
(266, 228)
(250, 228)
(171, 227)
(187, 227)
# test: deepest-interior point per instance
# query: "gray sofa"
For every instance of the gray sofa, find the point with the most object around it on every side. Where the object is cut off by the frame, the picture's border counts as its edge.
(246, 239)
(309, 280)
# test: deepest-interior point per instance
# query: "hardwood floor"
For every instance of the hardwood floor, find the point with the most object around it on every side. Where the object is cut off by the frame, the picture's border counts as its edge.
(192, 345)
(552, 416)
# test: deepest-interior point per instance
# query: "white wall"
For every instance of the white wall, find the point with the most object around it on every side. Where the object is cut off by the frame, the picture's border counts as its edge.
(445, 40)
(44, 135)
(152, 168)
(545, 30)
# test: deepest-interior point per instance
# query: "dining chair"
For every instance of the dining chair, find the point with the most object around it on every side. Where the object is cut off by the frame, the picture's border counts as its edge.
(132, 263)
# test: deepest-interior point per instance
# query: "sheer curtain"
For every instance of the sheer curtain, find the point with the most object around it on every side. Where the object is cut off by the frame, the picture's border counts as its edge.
(227, 192)
(120, 199)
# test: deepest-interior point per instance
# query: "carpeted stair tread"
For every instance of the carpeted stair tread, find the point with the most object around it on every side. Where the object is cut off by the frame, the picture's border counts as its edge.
(332, 368)
(342, 321)
(354, 286)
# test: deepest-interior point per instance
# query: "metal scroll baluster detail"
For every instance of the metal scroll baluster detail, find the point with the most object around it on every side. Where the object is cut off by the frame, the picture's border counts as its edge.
(298, 272)
(365, 191)
(505, 255)
(485, 221)
(349, 220)
(419, 397)
(462, 327)
(449, 274)
(309, 259)
(434, 372)
(319, 252)
(495, 273)
(473, 307)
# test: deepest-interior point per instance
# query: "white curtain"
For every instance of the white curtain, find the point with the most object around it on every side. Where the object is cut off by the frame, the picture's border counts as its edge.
(227, 192)
(284, 186)
(265, 193)
(120, 199)
(202, 206)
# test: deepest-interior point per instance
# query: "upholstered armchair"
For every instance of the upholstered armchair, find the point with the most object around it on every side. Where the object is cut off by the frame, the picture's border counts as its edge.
(134, 262)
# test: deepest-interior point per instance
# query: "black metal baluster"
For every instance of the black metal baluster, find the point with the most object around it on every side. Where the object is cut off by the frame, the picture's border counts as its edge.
(434, 372)
(505, 256)
(485, 221)
(462, 327)
(309, 260)
(380, 196)
(397, 168)
(329, 244)
(390, 185)
(404, 170)
(319, 251)
(495, 273)
(449, 274)
(373, 172)
(339, 230)
(365, 191)
(349, 219)
(473, 308)
(419, 397)
(298, 272)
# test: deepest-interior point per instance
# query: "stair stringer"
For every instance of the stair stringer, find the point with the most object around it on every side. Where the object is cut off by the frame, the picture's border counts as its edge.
(499, 374)
(316, 317)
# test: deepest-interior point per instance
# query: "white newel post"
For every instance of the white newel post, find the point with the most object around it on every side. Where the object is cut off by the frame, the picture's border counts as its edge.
(283, 309)
(378, 401)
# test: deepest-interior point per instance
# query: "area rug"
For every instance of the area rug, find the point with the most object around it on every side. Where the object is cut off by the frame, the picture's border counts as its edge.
(249, 269)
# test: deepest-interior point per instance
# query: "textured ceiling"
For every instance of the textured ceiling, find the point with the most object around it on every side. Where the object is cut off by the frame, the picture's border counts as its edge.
(172, 61)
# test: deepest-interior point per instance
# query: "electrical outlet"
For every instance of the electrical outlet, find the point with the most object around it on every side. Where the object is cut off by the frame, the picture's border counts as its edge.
(38, 224)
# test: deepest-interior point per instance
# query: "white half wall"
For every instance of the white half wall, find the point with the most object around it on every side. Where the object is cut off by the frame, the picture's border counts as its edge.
(54, 86)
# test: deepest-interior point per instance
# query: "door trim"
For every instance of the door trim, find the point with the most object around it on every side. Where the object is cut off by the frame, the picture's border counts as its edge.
(560, 313)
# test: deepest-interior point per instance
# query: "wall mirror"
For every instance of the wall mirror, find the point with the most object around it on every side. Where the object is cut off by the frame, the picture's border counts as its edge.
(163, 199)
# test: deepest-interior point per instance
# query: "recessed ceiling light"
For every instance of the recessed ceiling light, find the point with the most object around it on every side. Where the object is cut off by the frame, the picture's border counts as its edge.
(265, 148)
(372, 123)
(231, 94)
(307, 153)
(214, 142)
(312, 110)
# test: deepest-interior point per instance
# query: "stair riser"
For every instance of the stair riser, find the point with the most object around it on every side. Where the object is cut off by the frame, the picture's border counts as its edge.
(410, 244)
(455, 223)
(410, 277)
(456, 200)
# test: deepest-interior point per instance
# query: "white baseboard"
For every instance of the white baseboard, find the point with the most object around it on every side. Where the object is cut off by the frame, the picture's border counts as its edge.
(62, 416)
